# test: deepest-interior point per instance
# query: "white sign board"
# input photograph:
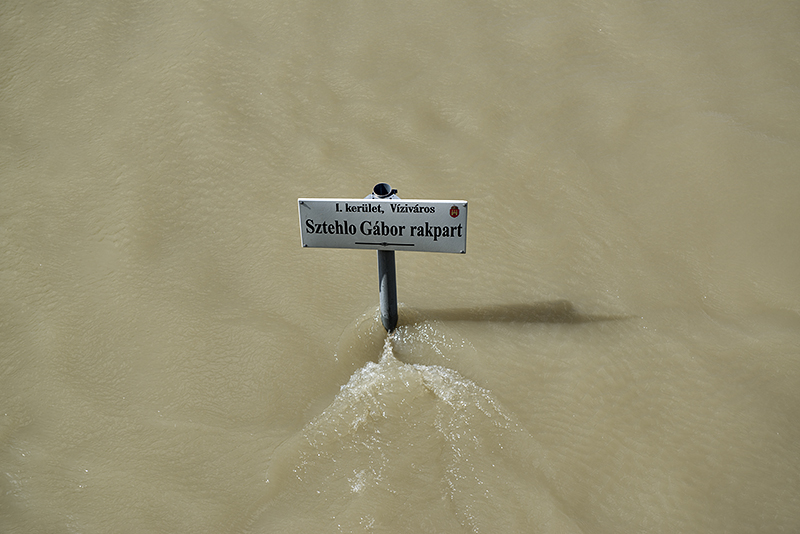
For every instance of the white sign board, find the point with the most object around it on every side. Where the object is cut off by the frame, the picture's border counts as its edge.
(384, 224)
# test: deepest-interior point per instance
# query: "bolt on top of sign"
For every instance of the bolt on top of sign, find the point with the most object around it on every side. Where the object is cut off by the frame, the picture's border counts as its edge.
(384, 224)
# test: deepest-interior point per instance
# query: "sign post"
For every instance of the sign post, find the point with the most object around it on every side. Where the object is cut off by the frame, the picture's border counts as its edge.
(387, 275)
(384, 222)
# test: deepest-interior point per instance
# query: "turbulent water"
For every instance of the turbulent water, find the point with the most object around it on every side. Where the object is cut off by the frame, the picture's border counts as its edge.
(618, 350)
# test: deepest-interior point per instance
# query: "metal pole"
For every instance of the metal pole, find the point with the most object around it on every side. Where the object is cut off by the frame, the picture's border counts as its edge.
(387, 276)
(387, 280)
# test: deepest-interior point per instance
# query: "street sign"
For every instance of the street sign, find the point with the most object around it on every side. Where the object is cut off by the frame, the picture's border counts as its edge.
(384, 224)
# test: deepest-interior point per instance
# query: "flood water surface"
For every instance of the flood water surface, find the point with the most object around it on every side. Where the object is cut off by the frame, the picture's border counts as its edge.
(617, 351)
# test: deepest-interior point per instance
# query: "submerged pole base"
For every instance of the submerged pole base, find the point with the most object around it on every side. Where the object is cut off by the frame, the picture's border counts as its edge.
(387, 280)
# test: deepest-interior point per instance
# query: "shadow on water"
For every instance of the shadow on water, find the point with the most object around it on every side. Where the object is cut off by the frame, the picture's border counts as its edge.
(553, 312)
(364, 338)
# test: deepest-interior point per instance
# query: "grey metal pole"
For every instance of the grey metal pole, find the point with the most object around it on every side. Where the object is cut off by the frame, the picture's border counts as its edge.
(387, 280)
(387, 276)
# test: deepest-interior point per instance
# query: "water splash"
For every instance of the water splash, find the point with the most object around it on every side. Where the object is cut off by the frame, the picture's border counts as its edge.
(420, 433)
